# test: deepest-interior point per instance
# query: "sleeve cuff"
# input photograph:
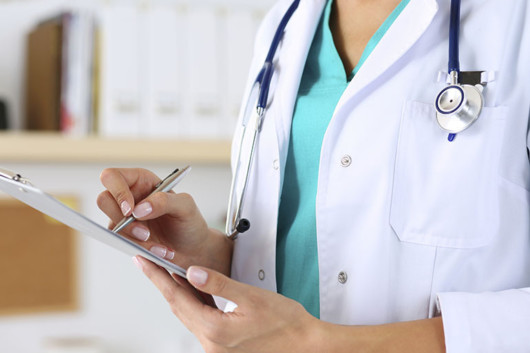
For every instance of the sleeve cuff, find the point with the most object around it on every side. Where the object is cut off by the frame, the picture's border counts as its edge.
(455, 322)
(486, 322)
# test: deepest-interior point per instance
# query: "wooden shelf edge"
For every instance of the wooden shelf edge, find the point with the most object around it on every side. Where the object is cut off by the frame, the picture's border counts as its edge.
(56, 148)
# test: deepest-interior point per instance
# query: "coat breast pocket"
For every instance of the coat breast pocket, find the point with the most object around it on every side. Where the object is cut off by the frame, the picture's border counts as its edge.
(445, 193)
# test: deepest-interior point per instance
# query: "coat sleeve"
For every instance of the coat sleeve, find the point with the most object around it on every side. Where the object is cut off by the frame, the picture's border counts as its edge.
(486, 322)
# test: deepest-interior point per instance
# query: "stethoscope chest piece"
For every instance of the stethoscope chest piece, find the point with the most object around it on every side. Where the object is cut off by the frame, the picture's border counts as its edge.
(458, 107)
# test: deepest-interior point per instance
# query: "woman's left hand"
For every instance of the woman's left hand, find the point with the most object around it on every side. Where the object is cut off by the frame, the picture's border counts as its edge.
(262, 322)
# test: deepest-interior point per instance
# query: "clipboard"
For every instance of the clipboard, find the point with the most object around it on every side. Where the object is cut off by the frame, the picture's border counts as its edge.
(21, 189)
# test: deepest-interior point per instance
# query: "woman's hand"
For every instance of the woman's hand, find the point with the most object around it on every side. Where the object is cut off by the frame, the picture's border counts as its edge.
(168, 224)
(263, 321)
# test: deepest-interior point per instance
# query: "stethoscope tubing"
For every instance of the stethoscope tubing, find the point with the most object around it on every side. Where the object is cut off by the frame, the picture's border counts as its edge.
(234, 224)
(454, 34)
(265, 75)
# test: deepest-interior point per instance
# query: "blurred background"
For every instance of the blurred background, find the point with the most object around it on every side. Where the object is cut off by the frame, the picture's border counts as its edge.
(90, 84)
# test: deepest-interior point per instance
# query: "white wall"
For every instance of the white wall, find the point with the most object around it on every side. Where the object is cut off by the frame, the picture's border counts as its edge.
(118, 304)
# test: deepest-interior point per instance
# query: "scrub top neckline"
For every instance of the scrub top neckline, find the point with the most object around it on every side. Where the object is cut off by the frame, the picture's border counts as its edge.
(372, 43)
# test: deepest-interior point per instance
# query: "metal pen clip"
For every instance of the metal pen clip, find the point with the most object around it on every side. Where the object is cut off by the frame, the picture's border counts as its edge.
(14, 176)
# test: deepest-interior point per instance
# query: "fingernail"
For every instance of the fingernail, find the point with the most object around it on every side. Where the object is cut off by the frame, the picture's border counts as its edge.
(170, 255)
(140, 233)
(142, 210)
(137, 262)
(125, 208)
(197, 276)
(159, 251)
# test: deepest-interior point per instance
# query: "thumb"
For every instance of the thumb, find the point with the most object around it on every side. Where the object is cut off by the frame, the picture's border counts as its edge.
(215, 283)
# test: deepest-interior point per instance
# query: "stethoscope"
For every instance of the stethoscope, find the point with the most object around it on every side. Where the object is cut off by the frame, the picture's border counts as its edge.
(458, 106)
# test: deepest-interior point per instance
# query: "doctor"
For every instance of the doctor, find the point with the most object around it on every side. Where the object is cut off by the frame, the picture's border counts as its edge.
(381, 231)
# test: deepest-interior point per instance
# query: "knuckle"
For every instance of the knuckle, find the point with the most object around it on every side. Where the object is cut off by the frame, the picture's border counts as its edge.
(160, 200)
(107, 177)
(121, 195)
(102, 198)
(170, 296)
(145, 172)
(218, 285)
(189, 203)
(186, 197)
(107, 174)
(174, 309)
(214, 334)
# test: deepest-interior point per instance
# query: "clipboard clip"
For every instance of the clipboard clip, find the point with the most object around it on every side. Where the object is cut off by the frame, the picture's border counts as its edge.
(14, 176)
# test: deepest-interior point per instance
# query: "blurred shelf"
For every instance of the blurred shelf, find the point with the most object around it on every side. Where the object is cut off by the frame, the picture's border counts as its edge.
(26, 147)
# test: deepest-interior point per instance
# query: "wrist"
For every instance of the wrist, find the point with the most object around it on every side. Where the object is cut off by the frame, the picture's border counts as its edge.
(335, 338)
(317, 336)
(412, 336)
(219, 249)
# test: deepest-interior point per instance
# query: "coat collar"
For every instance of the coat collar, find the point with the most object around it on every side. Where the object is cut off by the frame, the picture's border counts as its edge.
(291, 57)
(406, 30)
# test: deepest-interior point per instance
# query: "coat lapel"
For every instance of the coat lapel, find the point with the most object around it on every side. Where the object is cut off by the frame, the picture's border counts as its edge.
(407, 29)
(289, 66)
(292, 54)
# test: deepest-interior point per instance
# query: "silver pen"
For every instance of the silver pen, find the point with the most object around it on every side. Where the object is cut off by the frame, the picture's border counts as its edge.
(165, 185)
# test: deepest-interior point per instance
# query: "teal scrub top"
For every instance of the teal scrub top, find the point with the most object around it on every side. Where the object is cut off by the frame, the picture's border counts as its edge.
(323, 83)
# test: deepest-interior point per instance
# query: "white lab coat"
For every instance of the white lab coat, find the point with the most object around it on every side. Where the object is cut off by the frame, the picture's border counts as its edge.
(421, 226)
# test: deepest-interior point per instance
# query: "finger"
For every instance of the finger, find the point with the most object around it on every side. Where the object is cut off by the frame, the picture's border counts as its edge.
(203, 297)
(161, 203)
(108, 205)
(198, 317)
(118, 185)
(135, 230)
(215, 283)
(162, 251)
(139, 233)
(127, 184)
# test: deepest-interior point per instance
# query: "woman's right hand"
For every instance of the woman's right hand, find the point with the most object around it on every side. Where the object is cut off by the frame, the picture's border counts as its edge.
(168, 224)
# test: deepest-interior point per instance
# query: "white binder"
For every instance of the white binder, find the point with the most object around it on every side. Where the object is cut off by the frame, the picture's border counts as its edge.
(203, 81)
(22, 189)
(122, 87)
(163, 72)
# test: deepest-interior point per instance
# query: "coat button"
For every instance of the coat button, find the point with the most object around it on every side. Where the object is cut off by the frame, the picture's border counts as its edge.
(345, 161)
(343, 277)
(276, 164)
(261, 275)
